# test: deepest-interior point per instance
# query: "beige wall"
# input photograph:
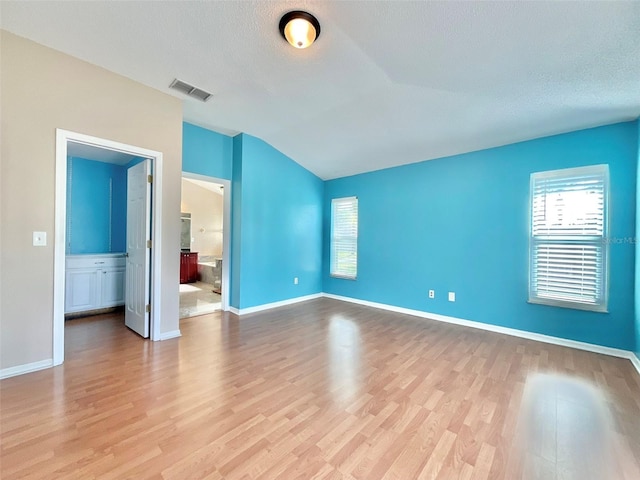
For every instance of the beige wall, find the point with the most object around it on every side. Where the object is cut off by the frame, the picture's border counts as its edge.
(41, 90)
(206, 209)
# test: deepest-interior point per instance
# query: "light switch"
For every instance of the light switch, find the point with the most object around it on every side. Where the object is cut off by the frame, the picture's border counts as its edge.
(39, 239)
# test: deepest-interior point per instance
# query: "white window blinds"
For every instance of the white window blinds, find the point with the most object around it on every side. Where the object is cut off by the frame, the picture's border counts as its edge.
(344, 237)
(568, 244)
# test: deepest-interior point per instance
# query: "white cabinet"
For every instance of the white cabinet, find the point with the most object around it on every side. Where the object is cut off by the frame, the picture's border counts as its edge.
(81, 290)
(94, 282)
(112, 286)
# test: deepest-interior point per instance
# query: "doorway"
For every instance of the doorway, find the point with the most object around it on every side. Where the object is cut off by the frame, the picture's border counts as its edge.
(66, 142)
(205, 244)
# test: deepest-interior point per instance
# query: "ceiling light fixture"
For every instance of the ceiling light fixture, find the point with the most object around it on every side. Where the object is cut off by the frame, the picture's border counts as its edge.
(299, 28)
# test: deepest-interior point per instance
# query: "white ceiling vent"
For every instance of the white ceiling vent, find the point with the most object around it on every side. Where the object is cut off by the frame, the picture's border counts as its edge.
(190, 90)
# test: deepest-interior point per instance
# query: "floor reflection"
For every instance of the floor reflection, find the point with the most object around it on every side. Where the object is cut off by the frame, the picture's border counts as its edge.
(566, 431)
(344, 349)
(197, 299)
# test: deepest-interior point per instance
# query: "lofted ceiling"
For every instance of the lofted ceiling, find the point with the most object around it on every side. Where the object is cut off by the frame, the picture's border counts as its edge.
(387, 83)
(211, 186)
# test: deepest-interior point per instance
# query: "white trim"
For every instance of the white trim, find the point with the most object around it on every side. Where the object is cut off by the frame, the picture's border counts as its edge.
(226, 234)
(170, 335)
(269, 306)
(59, 246)
(635, 361)
(614, 352)
(156, 237)
(568, 177)
(343, 240)
(26, 368)
(62, 138)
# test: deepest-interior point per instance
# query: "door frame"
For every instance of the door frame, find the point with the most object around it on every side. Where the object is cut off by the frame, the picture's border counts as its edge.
(226, 234)
(60, 230)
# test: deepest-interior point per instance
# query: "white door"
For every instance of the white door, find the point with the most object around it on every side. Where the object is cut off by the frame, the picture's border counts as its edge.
(136, 316)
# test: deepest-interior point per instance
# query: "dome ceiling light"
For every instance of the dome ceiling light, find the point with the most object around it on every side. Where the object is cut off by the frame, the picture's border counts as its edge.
(299, 28)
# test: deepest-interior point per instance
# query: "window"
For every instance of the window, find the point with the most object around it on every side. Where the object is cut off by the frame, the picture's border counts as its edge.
(344, 237)
(568, 244)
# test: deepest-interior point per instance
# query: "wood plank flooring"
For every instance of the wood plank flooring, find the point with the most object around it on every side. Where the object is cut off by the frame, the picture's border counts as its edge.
(324, 390)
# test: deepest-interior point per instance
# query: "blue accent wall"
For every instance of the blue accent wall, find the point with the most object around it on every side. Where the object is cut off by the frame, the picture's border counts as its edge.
(206, 152)
(461, 224)
(96, 207)
(276, 226)
(637, 240)
(213, 154)
(236, 223)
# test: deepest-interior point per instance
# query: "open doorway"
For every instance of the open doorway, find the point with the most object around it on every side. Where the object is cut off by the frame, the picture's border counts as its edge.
(96, 227)
(103, 282)
(204, 255)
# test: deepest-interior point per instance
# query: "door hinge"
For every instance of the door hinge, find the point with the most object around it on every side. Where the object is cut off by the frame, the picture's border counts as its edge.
(147, 308)
(149, 178)
(148, 243)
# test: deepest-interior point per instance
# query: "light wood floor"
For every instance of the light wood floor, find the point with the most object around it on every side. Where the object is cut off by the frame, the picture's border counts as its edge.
(322, 389)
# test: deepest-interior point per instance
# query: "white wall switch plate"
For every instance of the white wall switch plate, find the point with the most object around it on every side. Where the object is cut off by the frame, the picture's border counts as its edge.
(295, 280)
(452, 296)
(432, 294)
(39, 239)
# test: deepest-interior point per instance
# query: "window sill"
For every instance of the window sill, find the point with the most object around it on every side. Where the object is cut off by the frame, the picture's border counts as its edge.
(343, 277)
(570, 305)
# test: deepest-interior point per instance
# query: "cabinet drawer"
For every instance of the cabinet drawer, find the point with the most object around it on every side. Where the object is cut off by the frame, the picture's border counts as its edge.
(95, 261)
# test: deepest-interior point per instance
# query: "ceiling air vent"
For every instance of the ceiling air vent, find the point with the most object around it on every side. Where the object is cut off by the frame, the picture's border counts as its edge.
(190, 90)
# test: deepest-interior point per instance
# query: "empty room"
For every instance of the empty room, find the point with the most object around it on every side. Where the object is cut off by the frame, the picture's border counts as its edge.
(412, 251)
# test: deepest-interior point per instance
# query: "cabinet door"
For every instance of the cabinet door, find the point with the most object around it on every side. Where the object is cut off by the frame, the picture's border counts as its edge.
(193, 268)
(81, 290)
(112, 287)
(184, 267)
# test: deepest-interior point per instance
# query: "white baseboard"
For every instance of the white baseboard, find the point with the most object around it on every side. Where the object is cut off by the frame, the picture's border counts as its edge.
(26, 368)
(635, 361)
(170, 335)
(614, 352)
(269, 306)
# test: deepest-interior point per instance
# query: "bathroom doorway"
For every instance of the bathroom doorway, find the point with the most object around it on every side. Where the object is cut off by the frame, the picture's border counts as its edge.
(204, 245)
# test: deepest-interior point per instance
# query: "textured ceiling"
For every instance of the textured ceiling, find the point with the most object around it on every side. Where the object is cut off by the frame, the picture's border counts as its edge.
(98, 154)
(387, 83)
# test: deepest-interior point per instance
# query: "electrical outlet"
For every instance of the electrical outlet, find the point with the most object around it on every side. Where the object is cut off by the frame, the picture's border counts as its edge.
(432, 294)
(452, 296)
(295, 280)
